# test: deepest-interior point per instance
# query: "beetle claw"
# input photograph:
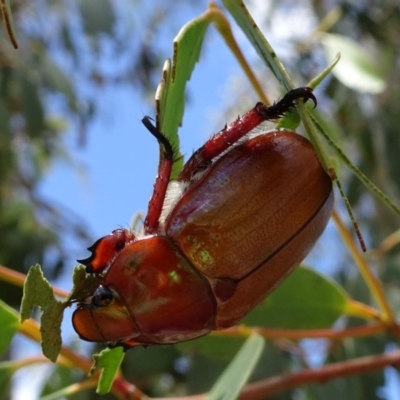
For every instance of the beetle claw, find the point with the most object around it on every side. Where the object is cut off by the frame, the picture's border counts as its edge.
(105, 249)
(305, 93)
(89, 261)
(288, 101)
(85, 261)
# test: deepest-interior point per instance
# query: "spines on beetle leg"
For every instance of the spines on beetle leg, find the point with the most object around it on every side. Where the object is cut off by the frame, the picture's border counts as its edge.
(231, 133)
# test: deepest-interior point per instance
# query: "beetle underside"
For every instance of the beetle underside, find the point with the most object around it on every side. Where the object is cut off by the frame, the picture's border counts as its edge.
(244, 212)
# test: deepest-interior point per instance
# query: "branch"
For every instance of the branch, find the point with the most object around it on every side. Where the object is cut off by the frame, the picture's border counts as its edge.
(362, 365)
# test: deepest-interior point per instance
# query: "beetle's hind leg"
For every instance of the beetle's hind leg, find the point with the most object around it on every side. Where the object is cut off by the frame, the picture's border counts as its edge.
(231, 133)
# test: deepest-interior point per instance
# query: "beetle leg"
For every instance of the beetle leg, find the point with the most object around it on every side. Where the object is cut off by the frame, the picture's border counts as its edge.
(231, 133)
(105, 249)
(164, 174)
(287, 102)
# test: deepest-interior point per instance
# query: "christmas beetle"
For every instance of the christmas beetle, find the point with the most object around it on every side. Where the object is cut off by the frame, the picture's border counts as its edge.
(245, 210)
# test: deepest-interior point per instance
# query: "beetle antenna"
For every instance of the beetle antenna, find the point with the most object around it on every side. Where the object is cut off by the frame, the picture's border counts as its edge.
(161, 138)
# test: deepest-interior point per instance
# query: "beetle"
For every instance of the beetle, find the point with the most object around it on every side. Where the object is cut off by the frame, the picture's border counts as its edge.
(245, 210)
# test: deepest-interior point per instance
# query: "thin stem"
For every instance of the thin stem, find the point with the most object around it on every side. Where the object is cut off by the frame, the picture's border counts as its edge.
(7, 17)
(297, 334)
(17, 279)
(370, 279)
(361, 310)
(24, 362)
(390, 242)
(284, 382)
(223, 26)
(10, 276)
(71, 389)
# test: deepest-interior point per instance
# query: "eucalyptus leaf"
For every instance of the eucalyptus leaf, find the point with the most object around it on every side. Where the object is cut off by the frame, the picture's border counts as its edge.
(7, 370)
(259, 42)
(305, 300)
(9, 325)
(39, 293)
(213, 346)
(109, 361)
(357, 68)
(170, 96)
(231, 382)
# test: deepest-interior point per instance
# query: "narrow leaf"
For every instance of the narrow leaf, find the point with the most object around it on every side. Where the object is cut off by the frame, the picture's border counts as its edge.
(231, 382)
(260, 43)
(306, 300)
(109, 361)
(7, 370)
(9, 325)
(357, 69)
(170, 96)
(213, 346)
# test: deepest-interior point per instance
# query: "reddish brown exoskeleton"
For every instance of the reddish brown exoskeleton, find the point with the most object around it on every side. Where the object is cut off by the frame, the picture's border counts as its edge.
(243, 213)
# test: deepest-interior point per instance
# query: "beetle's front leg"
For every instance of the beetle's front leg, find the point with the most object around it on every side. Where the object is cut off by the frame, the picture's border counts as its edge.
(221, 141)
(105, 250)
(156, 202)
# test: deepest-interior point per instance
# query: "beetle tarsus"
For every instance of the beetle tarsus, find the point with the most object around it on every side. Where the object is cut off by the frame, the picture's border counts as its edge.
(288, 101)
(305, 93)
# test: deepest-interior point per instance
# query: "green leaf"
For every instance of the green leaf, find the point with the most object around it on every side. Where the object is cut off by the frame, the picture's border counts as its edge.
(39, 293)
(9, 325)
(84, 284)
(213, 346)
(290, 120)
(326, 132)
(357, 68)
(170, 96)
(50, 329)
(109, 360)
(260, 43)
(305, 300)
(231, 382)
(7, 369)
(325, 72)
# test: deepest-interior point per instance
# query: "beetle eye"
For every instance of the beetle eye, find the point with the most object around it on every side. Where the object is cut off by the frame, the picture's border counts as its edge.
(102, 297)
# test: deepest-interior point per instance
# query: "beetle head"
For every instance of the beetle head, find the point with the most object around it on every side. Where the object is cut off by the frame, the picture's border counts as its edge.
(104, 317)
(149, 294)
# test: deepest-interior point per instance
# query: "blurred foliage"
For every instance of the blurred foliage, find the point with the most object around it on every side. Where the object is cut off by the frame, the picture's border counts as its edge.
(41, 98)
